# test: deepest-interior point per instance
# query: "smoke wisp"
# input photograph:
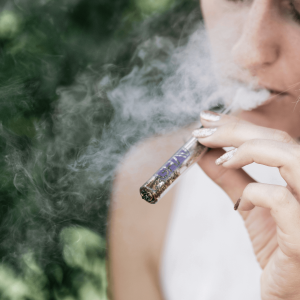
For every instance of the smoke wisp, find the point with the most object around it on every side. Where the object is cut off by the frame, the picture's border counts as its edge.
(64, 182)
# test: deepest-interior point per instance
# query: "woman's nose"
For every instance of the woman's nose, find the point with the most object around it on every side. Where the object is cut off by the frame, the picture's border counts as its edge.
(258, 46)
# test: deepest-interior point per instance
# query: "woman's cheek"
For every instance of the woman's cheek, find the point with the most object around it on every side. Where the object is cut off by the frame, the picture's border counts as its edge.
(224, 23)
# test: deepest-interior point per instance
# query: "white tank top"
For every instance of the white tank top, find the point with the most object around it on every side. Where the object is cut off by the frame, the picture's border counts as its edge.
(208, 254)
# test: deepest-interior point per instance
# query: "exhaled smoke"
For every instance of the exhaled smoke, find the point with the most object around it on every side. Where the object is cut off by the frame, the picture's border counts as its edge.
(247, 98)
(242, 96)
(66, 179)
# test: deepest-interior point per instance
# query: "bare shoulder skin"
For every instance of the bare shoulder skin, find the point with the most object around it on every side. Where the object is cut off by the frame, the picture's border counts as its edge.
(137, 229)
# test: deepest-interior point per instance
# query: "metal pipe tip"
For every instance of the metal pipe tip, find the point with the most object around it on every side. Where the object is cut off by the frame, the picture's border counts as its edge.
(147, 195)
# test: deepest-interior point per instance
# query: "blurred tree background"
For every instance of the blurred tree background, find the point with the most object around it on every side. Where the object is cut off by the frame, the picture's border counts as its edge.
(46, 45)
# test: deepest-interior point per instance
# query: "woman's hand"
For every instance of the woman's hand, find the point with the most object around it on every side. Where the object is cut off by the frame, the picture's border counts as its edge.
(271, 213)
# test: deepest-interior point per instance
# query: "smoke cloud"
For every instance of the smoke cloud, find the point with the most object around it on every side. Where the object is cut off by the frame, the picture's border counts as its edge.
(63, 183)
(61, 186)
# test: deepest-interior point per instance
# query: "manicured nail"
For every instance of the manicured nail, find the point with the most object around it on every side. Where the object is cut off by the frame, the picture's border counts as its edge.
(237, 204)
(225, 157)
(210, 116)
(204, 132)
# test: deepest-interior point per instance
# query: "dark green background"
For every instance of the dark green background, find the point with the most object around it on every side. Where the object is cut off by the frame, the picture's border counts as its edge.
(46, 45)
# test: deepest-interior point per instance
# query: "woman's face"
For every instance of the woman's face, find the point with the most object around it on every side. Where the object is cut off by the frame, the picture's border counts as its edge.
(260, 39)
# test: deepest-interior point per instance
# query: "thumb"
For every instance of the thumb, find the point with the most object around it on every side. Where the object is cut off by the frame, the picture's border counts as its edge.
(232, 181)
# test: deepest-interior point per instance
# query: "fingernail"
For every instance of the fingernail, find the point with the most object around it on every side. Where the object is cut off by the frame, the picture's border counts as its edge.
(237, 204)
(204, 132)
(225, 157)
(210, 116)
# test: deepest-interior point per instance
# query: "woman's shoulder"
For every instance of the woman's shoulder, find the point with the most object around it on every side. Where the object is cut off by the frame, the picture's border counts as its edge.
(136, 228)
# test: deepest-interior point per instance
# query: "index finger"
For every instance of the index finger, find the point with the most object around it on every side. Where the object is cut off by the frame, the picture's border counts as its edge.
(236, 132)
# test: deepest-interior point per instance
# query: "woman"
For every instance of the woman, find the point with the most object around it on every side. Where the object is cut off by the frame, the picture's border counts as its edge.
(262, 39)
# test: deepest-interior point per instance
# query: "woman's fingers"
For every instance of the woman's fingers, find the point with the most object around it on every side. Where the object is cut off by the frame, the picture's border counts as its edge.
(229, 131)
(210, 119)
(283, 206)
(232, 181)
(270, 153)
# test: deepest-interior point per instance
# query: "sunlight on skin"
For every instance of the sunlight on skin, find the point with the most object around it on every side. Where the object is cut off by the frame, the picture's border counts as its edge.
(260, 39)
(265, 48)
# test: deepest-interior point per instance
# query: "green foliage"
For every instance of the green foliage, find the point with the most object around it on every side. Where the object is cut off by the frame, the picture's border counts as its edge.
(53, 217)
(150, 6)
(83, 251)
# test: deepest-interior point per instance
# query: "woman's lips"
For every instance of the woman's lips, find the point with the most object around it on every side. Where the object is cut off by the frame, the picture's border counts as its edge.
(274, 94)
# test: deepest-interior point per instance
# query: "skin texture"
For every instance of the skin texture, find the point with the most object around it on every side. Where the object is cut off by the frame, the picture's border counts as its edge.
(137, 229)
(271, 213)
(260, 40)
